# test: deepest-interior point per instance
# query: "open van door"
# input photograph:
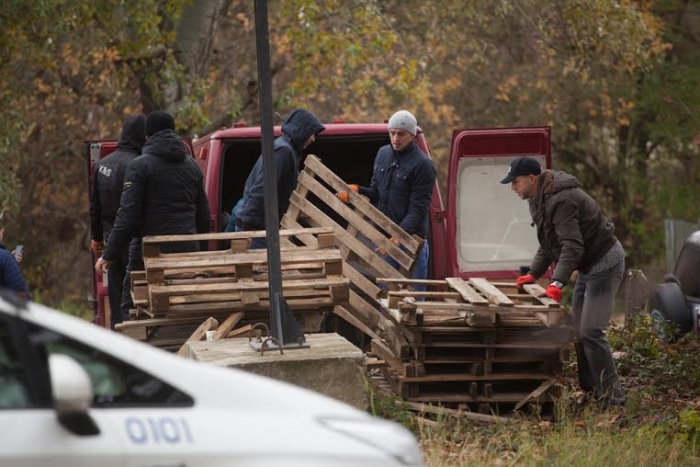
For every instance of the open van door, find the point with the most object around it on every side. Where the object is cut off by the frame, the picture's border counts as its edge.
(489, 231)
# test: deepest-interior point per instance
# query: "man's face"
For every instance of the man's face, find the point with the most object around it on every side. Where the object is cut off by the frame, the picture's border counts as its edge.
(525, 186)
(308, 142)
(400, 138)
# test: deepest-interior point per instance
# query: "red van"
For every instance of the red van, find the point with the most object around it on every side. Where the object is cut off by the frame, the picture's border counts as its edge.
(485, 230)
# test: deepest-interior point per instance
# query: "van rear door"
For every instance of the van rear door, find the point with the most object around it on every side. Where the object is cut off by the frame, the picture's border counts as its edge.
(489, 231)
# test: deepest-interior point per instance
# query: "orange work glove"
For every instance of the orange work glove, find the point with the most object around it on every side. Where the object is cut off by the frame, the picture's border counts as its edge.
(96, 247)
(553, 292)
(343, 195)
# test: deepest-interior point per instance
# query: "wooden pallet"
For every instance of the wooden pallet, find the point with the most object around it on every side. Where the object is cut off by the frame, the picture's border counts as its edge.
(201, 283)
(361, 230)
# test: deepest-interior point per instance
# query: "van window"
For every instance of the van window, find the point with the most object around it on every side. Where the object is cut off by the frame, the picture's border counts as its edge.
(115, 383)
(494, 231)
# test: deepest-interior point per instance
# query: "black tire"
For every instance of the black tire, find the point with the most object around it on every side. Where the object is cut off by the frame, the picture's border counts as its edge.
(670, 313)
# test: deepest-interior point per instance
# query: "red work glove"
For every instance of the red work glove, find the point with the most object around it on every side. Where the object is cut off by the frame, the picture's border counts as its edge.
(526, 279)
(343, 195)
(96, 247)
(553, 292)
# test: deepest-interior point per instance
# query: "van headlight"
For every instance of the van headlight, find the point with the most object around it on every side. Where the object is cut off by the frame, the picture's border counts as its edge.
(387, 437)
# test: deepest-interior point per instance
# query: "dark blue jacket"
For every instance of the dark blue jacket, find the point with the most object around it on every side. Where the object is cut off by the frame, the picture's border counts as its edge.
(10, 274)
(299, 126)
(402, 187)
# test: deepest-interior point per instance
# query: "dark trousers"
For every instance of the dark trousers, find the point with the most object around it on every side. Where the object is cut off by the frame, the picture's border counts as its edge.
(135, 263)
(115, 287)
(593, 300)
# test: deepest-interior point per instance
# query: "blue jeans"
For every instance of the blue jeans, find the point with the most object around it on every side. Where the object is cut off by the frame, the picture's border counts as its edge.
(593, 300)
(420, 271)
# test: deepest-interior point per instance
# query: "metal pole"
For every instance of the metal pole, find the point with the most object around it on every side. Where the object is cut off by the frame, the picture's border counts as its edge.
(262, 41)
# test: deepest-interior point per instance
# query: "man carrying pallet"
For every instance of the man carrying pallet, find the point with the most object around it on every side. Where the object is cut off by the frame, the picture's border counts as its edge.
(402, 186)
(574, 233)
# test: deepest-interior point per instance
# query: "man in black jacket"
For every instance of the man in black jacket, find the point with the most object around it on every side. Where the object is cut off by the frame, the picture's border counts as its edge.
(108, 181)
(574, 233)
(163, 195)
(299, 130)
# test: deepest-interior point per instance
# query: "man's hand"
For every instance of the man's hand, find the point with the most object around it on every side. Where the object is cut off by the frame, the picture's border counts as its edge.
(553, 292)
(18, 256)
(102, 265)
(96, 247)
(526, 279)
(381, 250)
(343, 195)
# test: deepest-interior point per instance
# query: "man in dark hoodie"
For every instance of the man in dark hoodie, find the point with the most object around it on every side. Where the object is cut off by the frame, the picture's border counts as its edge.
(574, 233)
(402, 186)
(163, 195)
(299, 130)
(108, 181)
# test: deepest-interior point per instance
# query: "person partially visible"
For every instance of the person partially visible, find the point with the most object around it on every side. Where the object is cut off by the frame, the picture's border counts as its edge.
(574, 233)
(163, 195)
(105, 196)
(299, 130)
(402, 186)
(10, 275)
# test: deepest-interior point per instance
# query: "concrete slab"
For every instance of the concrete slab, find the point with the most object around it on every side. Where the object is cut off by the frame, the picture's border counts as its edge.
(331, 365)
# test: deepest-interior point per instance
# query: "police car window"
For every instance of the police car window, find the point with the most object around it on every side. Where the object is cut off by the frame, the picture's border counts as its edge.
(14, 393)
(115, 383)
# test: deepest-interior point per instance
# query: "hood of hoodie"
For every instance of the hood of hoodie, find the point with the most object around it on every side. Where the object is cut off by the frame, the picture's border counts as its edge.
(167, 145)
(300, 125)
(133, 135)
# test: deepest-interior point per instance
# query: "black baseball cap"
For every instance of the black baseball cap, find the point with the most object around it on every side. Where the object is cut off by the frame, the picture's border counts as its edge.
(522, 166)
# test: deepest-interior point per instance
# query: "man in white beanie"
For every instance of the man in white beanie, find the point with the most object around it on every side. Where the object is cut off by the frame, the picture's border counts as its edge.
(402, 185)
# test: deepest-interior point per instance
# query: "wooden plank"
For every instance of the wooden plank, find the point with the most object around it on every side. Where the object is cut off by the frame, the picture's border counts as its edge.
(198, 334)
(228, 324)
(152, 322)
(249, 257)
(457, 377)
(406, 281)
(232, 235)
(382, 351)
(240, 331)
(536, 393)
(491, 292)
(354, 321)
(426, 408)
(261, 286)
(537, 292)
(468, 294)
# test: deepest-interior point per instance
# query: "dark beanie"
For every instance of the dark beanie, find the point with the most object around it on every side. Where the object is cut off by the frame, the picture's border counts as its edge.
(159, 121)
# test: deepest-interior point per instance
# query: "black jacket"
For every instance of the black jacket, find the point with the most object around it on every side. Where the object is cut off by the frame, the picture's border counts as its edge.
(108, 177)
(299, 126)
(571, 228)
(163, 195)
(402, 187)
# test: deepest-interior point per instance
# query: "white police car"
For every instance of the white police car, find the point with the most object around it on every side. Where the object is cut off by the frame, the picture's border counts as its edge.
(73, 394)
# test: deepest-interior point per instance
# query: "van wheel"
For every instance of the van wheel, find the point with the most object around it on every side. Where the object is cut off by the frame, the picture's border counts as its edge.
(670, 313)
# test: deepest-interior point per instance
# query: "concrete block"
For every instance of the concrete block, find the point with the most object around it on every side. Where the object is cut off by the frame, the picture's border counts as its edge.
(331, 365)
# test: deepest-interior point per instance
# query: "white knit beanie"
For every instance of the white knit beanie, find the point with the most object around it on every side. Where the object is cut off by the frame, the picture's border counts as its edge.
(403, 120)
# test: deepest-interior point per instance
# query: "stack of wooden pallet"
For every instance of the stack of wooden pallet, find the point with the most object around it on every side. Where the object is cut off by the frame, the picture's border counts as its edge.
(477, 345)
(178, 291)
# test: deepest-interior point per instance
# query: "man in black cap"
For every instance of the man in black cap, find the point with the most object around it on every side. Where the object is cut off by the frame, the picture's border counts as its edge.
(575, 234)
(163, 195)
(105, 196)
